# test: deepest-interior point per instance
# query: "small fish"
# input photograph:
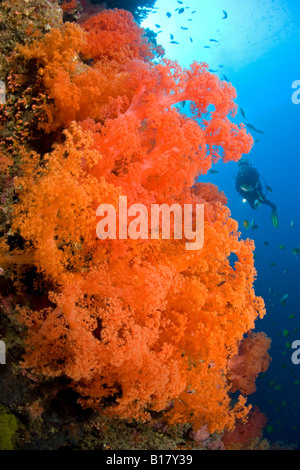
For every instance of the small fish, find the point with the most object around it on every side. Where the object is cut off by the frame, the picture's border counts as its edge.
(285, 333)
(250, 125)
(181, 10)
(168, 14)
(292, 316)
(253, 128)
(292, 224)
(285, 271)
(256, 140)
(213, 40)
(243, 113)
(182, 104)
(171, 37)
(193, 12)
(273, 264)
(295, 251)
(257, 203)
(282, 247)
(246, 223)
(271, 292)
(225, 15)
(268, 188)
(266, 243)
(206, 47)
(184, 29)
(221, 66)
(212, 70)
(174, 42)
(191, 39)
(253, 225)
(283, 298)
(214, 172)
(178, 1)
(158, 26)
(246, 188)
(225, 78)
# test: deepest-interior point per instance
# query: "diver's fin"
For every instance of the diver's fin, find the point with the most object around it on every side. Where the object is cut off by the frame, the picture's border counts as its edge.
(274, 218)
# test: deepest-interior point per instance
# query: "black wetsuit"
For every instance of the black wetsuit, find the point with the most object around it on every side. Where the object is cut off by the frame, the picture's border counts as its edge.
(249, 177)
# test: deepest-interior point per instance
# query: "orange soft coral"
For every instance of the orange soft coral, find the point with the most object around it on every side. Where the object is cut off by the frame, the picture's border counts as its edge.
(76, 64)
(142, 323)
(112, 35)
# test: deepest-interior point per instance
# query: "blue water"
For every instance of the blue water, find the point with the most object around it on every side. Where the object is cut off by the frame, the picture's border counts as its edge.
(258, 46)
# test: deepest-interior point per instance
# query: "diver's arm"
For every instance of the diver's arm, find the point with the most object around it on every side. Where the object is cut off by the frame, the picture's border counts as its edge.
(251, 201)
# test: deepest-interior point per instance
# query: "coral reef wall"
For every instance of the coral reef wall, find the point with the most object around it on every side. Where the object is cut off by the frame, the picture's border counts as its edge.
(132, 329)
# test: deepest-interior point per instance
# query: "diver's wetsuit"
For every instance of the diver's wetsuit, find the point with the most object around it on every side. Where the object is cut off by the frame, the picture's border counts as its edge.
(249, 177)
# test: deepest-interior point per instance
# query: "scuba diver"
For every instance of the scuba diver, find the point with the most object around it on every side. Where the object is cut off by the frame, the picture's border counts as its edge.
(249, 186)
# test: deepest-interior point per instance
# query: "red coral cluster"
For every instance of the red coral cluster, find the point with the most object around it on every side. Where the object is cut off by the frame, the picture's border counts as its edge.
(251, 360)
(137, 325)
(68, 5)
(247, 436)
